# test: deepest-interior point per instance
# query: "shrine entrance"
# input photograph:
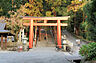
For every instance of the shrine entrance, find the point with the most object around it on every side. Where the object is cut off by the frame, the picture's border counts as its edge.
(45, 23)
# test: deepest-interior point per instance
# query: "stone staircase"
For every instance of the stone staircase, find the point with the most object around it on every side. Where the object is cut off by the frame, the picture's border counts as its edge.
(46, 42)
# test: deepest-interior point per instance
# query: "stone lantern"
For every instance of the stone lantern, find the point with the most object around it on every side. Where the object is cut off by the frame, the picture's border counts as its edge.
(64, 42)
(24, 40)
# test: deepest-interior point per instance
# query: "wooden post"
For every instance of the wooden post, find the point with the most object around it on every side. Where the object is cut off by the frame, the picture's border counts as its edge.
(5, 42)
(31, 34)
(46, 36)
(39, 33)
(1, 41)
(59, 33)
(45, 21)
(20, 36)
(22, 33)
(35, 37)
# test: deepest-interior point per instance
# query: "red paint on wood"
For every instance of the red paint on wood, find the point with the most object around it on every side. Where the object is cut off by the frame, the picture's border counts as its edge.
(45, 19)
(46, 24)
(59, 33)
(31, 35)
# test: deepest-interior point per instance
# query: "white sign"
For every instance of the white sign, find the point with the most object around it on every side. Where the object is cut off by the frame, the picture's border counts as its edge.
(77, 40)
(64, 42)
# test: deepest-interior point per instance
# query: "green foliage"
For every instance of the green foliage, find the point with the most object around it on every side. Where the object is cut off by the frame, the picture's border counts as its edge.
(90, 27)
(14, 23)
(34, 8)
(75, 20)
(89, 51)
(57, 7)
(71, 22)
(76, 5)
(48, 13)
(84, 20)
(6, 6)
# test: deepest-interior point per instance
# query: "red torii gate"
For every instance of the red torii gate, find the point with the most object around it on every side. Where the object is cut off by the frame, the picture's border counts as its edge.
(45, 19)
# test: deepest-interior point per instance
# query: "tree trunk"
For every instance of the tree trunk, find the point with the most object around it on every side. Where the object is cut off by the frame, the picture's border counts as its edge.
(16, 36)
(77, 31)
(35, 36)
(54, 13)
(54, 31)
(12, 3)
(76, 28)
(39, 33)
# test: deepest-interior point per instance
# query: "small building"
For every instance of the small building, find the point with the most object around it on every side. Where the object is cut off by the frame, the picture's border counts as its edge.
(3, 34)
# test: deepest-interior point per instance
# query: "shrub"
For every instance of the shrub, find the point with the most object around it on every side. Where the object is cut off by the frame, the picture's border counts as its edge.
(89, 51)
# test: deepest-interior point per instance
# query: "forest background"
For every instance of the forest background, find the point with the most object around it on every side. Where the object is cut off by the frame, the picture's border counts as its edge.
(82, 14)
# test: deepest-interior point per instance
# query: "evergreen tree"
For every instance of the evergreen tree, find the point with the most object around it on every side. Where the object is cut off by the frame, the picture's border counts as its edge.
(76, 7)
(10, 5)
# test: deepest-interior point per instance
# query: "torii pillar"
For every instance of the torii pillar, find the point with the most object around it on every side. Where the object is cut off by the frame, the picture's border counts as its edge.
(59, 33)
(31, 34)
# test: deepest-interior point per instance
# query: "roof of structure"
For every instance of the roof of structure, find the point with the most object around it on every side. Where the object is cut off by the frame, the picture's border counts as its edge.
(2, 26)
(4, 31)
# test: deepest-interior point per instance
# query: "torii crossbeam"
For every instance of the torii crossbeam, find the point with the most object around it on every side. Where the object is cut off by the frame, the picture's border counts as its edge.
(45, 19)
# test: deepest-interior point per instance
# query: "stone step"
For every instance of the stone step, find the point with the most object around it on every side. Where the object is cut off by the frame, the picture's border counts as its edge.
(45, 44)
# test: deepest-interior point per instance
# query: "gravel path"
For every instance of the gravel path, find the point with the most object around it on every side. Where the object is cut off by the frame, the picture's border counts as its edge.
(36, 55)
